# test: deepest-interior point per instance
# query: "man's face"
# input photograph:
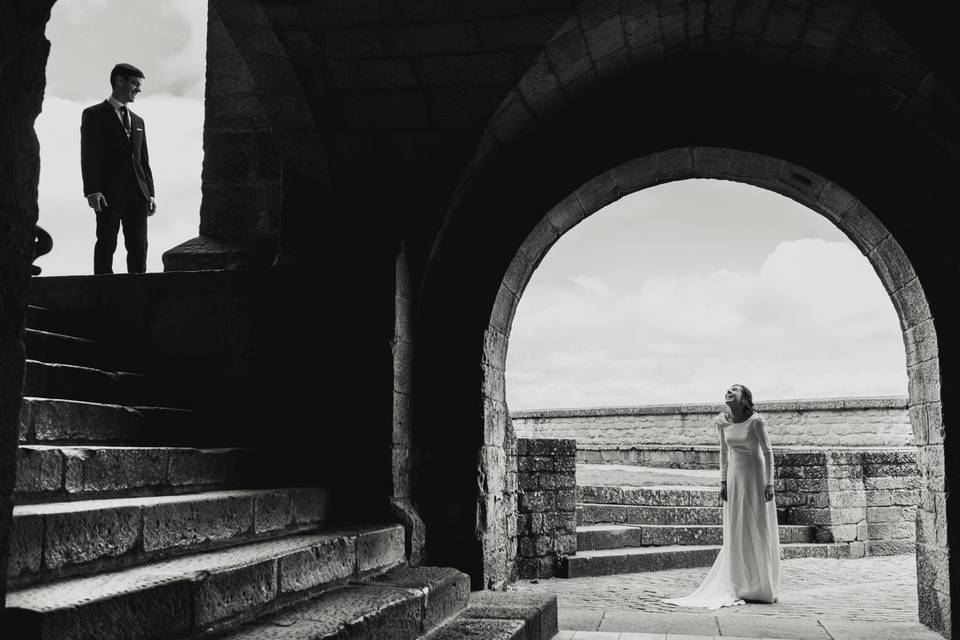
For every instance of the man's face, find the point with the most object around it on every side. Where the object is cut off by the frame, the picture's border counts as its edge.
(126, 89)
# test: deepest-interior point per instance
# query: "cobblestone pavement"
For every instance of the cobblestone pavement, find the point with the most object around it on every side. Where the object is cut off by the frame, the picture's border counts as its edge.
(820, 599)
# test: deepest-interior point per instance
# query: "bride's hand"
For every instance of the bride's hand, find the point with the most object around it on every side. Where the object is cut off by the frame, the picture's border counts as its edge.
(768, 493)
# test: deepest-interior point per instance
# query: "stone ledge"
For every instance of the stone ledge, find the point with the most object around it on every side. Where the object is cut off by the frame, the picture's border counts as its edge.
(815, 404)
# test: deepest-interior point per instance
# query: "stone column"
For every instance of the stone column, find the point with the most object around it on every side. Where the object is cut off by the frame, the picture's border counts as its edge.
(23, 60)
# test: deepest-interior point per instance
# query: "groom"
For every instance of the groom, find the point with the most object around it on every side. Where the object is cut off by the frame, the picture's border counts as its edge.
(117, 181)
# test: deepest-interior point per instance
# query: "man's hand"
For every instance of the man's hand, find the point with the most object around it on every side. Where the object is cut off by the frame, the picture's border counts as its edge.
(97, 202)
(723, 491)
(153, 207)
(768, 493)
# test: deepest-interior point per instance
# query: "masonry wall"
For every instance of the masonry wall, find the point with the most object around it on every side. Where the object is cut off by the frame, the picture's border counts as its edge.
(637, 434)
(546, 513)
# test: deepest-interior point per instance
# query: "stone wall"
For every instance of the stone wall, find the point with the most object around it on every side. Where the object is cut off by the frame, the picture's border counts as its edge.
(657, 434)
(865, 497)
(546, 514)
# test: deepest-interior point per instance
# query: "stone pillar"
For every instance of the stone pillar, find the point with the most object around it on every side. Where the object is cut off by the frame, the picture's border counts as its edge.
(402, 448)
(546, 520)
(23, 60)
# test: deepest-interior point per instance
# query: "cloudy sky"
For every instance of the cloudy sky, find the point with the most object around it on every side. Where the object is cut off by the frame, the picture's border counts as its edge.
(673, 293)
(666, 296)
(166, 40)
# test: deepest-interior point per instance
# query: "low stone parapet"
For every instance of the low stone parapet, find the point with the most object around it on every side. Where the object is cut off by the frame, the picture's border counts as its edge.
(641, 434)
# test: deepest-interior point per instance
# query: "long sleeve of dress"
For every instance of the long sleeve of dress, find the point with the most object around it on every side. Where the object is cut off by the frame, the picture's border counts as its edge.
(765, 448)
(724, 454)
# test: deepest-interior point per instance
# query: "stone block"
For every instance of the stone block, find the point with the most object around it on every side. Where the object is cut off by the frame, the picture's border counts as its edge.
(311, 505)
(272, 511)
(675, 164)
(164, 610)
(202, 466)
(606, 37)
(113, 469)
(911, 304)
(537, 501)
(460, 628)
(844, 533)
(86, 535)
(471, 70)
(330, 561)
(539, 611)
(233, 591)
(433, 39)
(26, 545)
(186, 523)
(351, 44)
(365, 75)
(379, 549)
(892, 264)
(446, 591)
(38, 469)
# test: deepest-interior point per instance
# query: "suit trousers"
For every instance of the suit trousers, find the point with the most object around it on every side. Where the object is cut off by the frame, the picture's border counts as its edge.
(130, 212)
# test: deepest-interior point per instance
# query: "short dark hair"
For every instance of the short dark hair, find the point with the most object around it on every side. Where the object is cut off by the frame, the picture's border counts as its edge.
(125, 71)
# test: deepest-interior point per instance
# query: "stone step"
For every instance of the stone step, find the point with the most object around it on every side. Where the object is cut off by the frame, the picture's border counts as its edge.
(50, 347)
(663, 496)
(72, 382)
(614, 536)
(641, 514)
(46, 421)
(60, 473)
(410, 603)
(403, 604)
(641, 559)
(201, 593)
(61, 539)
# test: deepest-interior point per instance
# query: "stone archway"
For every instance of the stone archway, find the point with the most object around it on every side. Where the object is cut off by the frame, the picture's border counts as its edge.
(840, 207)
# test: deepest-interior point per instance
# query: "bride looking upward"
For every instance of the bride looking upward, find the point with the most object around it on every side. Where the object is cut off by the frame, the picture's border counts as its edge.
(748, 565)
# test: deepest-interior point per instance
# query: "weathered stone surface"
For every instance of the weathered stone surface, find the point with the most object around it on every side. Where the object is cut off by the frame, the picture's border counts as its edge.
(328, 561)
(38, 469)
(446, 591)
(272, 512)
(310, 505)
(538, 611)
(26, 545)
(463, 628)
(202, 466)
(90, 469)
(230, 592)
(187, 523)
(88, 534)
(379, 549)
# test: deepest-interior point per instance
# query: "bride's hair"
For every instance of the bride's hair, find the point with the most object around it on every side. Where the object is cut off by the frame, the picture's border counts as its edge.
(748, 408)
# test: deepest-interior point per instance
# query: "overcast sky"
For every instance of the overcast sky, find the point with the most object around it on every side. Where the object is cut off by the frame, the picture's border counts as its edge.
(673, 293)
(666, 296)
(166, 39)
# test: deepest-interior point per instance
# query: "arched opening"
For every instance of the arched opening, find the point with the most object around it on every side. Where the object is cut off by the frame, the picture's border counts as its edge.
(669, 437)
(831, 201)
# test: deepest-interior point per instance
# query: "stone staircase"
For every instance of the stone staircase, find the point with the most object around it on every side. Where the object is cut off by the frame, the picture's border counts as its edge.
(127, 526)
(627, 529)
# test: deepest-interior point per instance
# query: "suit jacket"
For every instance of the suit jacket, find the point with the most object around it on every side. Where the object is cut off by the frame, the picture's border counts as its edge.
(111, 163)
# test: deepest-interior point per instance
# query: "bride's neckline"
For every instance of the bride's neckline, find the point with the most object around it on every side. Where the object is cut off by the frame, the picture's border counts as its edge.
(745, 420)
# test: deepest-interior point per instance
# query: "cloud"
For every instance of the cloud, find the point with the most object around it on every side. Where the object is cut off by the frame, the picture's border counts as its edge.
(812, 321)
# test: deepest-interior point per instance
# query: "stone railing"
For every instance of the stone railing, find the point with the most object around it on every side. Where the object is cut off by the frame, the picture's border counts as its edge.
(683, 435)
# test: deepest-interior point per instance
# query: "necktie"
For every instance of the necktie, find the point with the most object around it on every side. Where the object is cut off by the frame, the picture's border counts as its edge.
(125, 118)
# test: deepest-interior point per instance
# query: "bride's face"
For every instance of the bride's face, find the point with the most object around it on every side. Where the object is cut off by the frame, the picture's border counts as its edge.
(734, 395)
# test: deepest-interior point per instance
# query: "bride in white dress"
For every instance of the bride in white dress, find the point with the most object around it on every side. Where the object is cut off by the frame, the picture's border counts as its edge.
(748, 565)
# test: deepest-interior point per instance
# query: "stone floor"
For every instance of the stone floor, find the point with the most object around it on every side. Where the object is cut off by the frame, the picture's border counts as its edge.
(867, 599)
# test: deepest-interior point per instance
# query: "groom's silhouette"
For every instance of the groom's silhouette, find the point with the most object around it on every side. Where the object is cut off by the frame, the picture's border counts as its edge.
(117, 181)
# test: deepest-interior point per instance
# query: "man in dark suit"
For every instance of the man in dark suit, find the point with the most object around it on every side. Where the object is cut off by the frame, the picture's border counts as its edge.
(117, 181)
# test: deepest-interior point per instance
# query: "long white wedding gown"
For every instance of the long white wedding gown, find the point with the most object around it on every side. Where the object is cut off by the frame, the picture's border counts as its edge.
(748, 565)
